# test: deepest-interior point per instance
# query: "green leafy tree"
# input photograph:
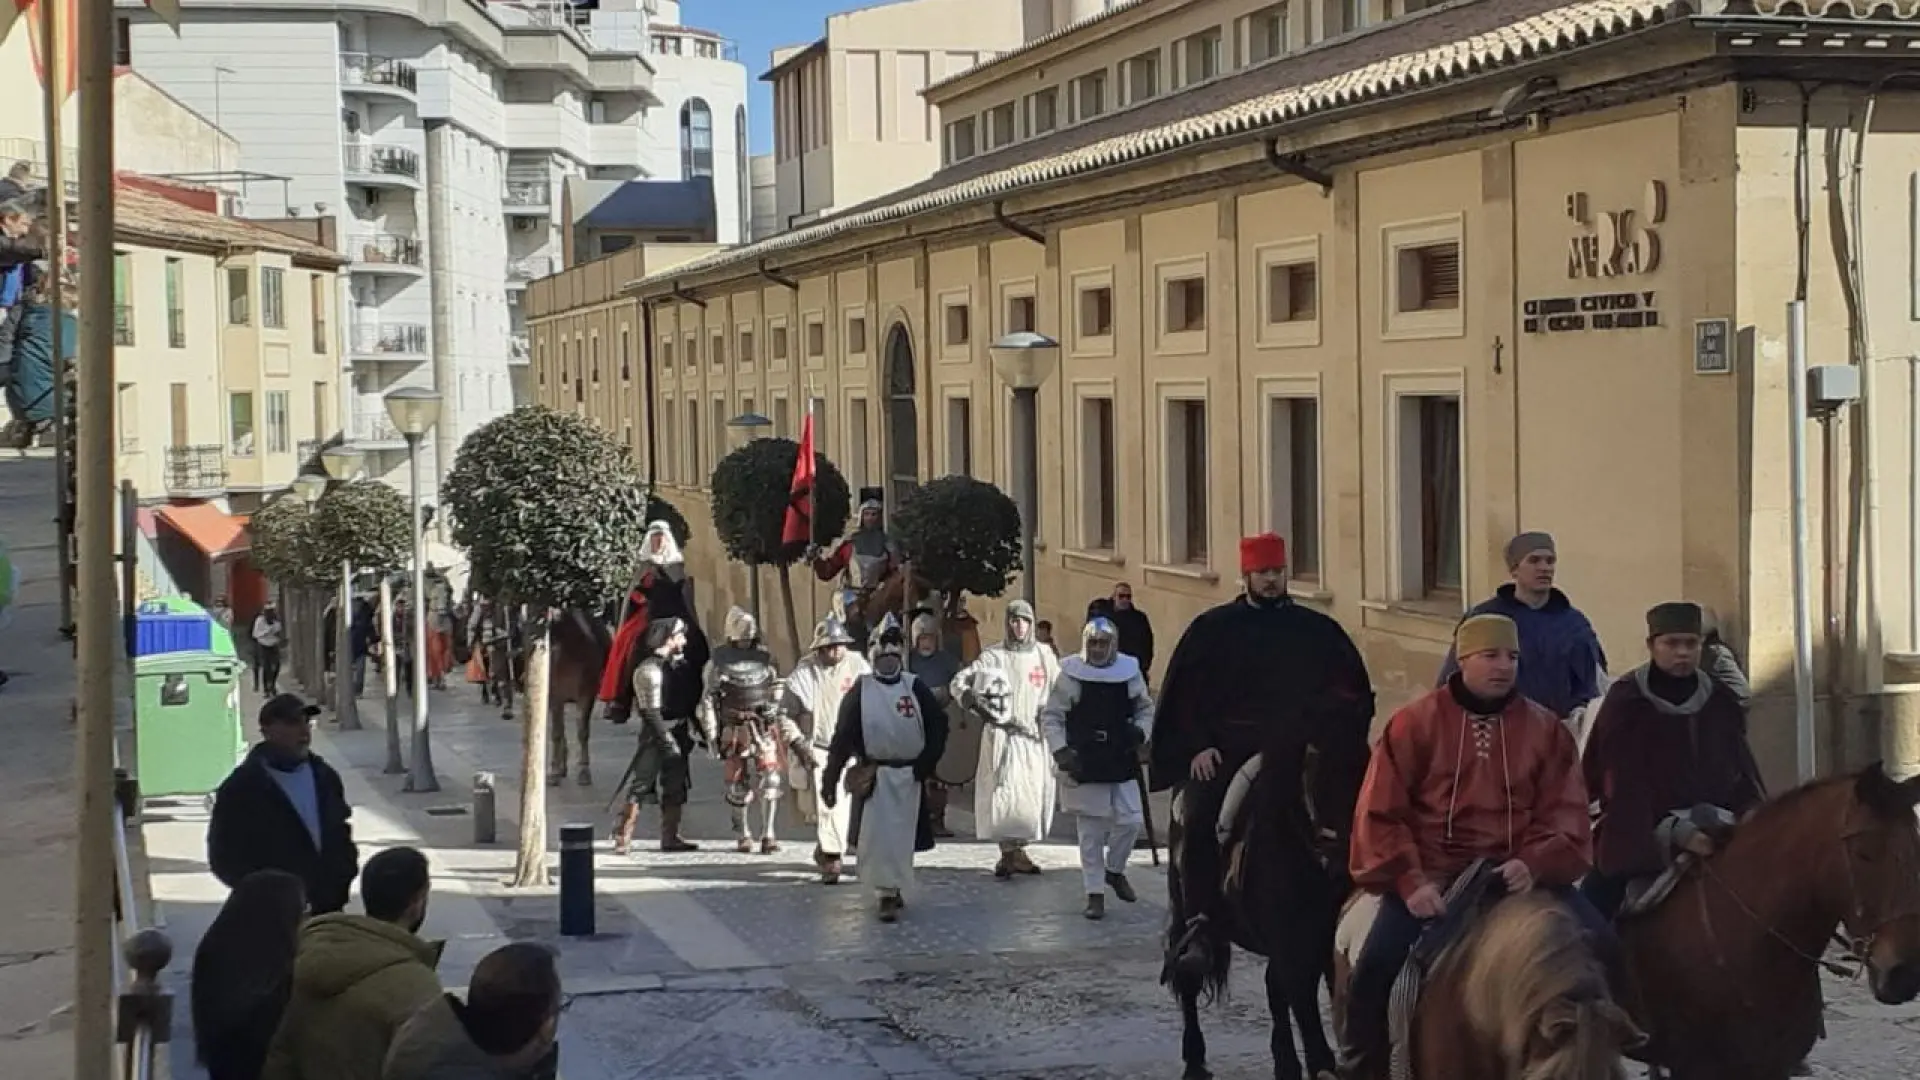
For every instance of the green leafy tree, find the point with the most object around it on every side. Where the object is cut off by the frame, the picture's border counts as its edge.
(750, 492)
(283, 547)
(551, 513)
(962, 536)
(370, 526)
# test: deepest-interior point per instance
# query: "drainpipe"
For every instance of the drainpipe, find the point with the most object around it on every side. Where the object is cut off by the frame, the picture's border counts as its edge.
(647, 389)
(439, 277)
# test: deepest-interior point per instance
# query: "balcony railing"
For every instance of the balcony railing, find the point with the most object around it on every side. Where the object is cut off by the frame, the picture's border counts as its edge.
(519, 350)
(375, 428)
(378, 159)
(389, 339)
(193, 469)
(527, 194)
(123, 324)
(363, 69)
(385, 248)
(529, 268)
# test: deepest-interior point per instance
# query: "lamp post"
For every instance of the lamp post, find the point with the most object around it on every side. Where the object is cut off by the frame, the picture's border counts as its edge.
(751, 426)
(1025, 361)
(307, 487)
(414, 410)
(343, 463)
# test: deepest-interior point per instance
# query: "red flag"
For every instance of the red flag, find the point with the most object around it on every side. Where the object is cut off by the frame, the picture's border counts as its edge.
(799, 524)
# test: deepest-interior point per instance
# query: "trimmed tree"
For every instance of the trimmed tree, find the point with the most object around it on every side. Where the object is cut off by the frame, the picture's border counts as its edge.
(551, 512)
(282, 547)
(750, 491)
(962, 536)
(370, 525)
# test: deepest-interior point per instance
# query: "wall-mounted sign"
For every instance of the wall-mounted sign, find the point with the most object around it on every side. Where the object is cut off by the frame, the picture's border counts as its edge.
(1602, 311)
(1618, 242)
(1713, 346)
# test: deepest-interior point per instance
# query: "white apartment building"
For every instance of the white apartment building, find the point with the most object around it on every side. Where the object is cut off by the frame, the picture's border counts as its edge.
(438, 132)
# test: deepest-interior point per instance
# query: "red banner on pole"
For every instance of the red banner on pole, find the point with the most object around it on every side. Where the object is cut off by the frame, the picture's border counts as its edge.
(798, 528)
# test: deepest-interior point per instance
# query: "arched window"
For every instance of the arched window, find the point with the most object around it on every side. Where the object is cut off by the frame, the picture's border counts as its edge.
(696, 139)
(746, 175)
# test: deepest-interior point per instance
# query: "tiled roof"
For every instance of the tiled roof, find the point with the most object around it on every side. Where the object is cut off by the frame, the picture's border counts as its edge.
(1419, 52)
(156, 216)
(1044, 39)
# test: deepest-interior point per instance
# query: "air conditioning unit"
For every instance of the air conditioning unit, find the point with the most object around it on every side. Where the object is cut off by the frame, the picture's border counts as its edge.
(233, 206)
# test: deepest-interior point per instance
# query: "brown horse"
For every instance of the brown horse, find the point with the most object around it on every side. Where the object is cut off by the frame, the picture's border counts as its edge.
(891, 597)
(579, 644)
(1725, 972)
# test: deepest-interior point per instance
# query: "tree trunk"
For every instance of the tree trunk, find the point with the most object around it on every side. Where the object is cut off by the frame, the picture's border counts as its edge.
(793, 621)
(346, 707)
(530, 864)
(390, 679)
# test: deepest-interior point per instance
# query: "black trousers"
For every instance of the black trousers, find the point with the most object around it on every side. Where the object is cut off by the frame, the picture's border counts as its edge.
(268, 657)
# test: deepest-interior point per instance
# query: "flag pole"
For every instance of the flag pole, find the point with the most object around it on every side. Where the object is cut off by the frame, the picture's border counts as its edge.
(53, 67)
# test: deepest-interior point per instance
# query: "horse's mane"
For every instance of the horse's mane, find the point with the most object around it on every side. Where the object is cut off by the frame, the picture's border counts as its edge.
(1528, 967)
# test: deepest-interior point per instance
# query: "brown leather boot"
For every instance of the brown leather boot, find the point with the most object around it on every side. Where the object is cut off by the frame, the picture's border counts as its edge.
(623, 832)
(670, 838)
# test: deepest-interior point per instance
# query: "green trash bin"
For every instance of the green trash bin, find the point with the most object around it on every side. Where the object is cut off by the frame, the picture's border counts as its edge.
(188, 727)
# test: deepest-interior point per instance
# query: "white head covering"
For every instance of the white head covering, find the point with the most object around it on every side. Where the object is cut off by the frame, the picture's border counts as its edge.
(659, 547)
(740, 626)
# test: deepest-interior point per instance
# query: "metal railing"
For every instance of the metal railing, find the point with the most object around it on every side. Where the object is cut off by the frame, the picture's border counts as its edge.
(123, 324)
(196, 468)
(144, 1022)
(388, 248)
(527, 193)
(368, 70)
(529, 268)
(389, 338)
(379, 159)
(376, 428)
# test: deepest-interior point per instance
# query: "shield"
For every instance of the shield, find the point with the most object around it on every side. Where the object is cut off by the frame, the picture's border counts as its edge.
(961, 760)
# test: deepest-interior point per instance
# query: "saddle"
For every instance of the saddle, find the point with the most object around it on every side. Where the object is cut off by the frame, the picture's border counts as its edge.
(1686, 839)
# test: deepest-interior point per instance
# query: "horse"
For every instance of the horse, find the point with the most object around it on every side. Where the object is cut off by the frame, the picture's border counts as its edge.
(576, 657)
(891, 596)
(1282, 899)
(1724, 971)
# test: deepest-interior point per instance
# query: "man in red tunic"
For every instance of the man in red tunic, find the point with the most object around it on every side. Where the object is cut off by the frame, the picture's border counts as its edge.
(1471, 770)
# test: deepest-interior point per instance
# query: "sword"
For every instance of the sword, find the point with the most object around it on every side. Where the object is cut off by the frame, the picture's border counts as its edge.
(1146, 812)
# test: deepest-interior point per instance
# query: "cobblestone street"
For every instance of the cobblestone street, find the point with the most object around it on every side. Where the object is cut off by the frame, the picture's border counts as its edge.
(715, 965)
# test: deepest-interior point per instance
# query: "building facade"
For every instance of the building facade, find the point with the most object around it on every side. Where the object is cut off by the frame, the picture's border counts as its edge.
(850, 124)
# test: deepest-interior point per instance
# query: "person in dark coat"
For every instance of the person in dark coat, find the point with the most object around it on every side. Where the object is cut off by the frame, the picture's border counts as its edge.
(1564, 659)
(283, 808)
(1136, 630)
(1669, 737)
(243, 972)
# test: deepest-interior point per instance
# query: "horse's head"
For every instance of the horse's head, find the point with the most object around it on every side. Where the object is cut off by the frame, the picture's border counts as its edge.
(1880, 837)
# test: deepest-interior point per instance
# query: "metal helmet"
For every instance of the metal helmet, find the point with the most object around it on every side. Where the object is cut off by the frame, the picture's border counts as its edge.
(888, 638)
(741, 629)
(925, 625)
(829, 632)
(1100, 641)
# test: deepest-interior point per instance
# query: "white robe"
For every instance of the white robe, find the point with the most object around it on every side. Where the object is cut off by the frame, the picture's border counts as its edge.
(893, 730)
(1013, 788)
(819, 689)
(1120, 802)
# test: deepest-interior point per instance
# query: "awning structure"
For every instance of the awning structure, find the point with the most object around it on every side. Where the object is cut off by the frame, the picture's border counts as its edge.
(215, 532)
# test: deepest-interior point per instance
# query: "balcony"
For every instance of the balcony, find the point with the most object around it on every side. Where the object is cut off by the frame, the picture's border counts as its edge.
(374, 431)
(379, 253)
(123, 324)
(404, 342)
(519, 351)
(614, 144)
(378, 76)
(545, 126)
(196, 470)
(527, 198)
(380, 165)
(521, 271)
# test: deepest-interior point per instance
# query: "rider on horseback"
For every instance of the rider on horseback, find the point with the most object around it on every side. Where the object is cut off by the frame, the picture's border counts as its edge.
(1472, 771)
(742, 704)
(661, 590)
(863, 560)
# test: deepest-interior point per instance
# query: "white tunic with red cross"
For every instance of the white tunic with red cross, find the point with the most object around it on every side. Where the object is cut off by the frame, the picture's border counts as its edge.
(1013, 789)
(894, 732)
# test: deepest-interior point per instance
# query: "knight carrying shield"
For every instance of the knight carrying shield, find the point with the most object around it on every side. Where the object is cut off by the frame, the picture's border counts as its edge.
(862, 562)
(742, 703)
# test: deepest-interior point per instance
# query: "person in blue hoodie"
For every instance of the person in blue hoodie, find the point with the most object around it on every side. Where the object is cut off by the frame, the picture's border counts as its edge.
(1563, 658)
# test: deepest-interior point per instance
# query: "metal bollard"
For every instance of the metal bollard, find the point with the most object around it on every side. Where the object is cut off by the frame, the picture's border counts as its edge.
(576, 880)
(485, 825)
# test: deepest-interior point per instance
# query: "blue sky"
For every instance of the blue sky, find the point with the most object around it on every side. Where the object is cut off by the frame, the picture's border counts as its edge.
(758, 26)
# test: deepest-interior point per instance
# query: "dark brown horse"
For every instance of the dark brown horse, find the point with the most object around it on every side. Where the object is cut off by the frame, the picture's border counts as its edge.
(1725, 972)
(578, 655)
(891, 597)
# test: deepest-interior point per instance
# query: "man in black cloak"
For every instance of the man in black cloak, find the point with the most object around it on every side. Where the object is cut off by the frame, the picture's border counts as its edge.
(1257, 669)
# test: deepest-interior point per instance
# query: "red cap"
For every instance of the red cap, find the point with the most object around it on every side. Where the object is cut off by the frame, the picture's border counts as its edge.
(1264, 552)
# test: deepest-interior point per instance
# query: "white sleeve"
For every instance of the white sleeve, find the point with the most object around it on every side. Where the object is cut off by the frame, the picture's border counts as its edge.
(1053, 715)
(1142, 706)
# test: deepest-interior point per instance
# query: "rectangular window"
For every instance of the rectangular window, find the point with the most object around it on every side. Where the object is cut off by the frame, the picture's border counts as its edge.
(1186, 305)
(1428, 277)
(594, 350)
(273, 300)
(626, 355)
(239, 296)
(176, 304)
(856, 335)
(960, 436)
(1353, 15)
(179, 427)
(1293, 478)
(817, 408)
(1140, 77)
(1089, 96)
(1096, 312)
(1292, 292)
(961, 143)
(321, 392)
(746, 346)
(122, 298)
(669, 446)
(322, 300)
(1429, 482)
(856, 456)
(240, 423)
(126, 407)
(1000, 126)
(777, 342)
(782, 420)
(1098, 474)
(1199, 56)
(1266, 34)
(816, 339)
(690, 352)
(1043, 111)
(717, 350)
(696, 475)
(666, 354)
(1186, 479)
(279, 423)
(1020, 314)
(958, 321)
(717, 430)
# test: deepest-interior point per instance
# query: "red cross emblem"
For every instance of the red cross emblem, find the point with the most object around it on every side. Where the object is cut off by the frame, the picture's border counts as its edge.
(1037, 676)
(905, 708)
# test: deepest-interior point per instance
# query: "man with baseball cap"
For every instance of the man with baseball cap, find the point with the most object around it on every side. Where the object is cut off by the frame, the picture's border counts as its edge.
(283, 808)
(1563, 655)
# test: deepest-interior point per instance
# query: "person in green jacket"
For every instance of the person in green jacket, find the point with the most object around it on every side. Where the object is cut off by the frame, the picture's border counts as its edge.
(358, 978)
(503, 1031)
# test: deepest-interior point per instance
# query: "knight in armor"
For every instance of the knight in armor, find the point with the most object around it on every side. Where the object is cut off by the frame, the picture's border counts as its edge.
(818, 685)
(863, 560)
(1013, 789)
(661, 590)
(1096, 720)
(1258, 669)
(756, 737)
(936, 667)
(659, 773)
(1471, 771)
(892, 725)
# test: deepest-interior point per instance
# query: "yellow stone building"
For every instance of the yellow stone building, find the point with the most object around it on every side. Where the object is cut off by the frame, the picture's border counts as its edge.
(1394, 280)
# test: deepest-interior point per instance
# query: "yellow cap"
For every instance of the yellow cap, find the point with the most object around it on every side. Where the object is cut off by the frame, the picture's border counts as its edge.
(1484, 633)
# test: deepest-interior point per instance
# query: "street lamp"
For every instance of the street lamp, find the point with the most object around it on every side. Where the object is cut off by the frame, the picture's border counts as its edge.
(1024, 361)
(414, 410)
(343, 463)
(749, 426)
(308, 487)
